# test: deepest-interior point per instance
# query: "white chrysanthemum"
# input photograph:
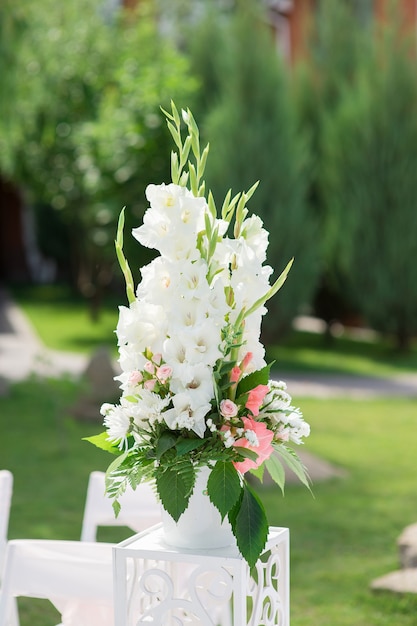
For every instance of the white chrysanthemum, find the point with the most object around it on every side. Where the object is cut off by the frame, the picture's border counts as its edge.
(185, 415)
(117, 423)
(297, 433)
(149, 408)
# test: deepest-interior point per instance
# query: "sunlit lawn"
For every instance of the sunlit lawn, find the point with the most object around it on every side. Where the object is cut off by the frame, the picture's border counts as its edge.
(340, 539)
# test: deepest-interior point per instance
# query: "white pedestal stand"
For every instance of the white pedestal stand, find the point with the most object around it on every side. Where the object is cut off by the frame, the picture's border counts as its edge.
(165, 586)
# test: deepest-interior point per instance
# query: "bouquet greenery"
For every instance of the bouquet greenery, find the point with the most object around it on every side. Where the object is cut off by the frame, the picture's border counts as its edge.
(195, 388)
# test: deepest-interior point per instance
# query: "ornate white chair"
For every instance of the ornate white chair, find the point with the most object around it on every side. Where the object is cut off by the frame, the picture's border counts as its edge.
(6, 489)
(140, 508)
(75, 576)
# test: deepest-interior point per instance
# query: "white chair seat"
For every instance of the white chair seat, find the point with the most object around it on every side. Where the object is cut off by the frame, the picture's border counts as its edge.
(76, 577)
(140, 508)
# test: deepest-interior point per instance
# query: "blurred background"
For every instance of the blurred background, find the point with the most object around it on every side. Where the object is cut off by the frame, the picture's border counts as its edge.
(317, 99)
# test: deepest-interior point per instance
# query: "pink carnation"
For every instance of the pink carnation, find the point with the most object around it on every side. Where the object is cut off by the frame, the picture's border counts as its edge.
(264, 448)
(246, 360)
(255, 398)
(235, 374)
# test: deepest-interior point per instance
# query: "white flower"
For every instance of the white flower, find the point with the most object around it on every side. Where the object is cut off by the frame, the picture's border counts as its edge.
(197, 382)
(149, 408)
(184, 415)
(250, 435)
(202, 343)
(159, 281)
(173, 221)
(255, 236)
(117, 422)
(141, 324)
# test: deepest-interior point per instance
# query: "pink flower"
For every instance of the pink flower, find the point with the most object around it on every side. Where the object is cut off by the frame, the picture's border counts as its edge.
(228, 408)
(149, 367)
(164, 372)
(150, 384)
(255, 398)
(235, 374)
(264, 448)
(157, 358)
(246, 360)
(135, 377)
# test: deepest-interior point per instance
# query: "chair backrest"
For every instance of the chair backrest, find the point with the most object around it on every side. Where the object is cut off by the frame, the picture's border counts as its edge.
(139, 508)
(77, 577)
(6, 488)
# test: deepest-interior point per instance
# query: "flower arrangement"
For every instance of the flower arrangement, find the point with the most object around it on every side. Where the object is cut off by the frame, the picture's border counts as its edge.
(195, 388)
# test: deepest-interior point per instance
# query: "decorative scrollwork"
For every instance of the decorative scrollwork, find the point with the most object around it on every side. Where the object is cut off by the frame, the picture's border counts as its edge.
(266, 606)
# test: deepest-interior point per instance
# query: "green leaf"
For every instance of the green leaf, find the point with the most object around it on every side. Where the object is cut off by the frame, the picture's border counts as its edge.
(165, 442)
(245, 452)
(249, 525)
(258, 472)
(260, 377)
(124, 265)
(224, 487)
(276, 470)
(174, 489)
(275, 287)
(294, 463)
(101, 441)
(183, 446)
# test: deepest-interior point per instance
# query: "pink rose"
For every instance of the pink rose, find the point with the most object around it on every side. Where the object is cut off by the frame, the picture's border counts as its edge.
(228, 408)
(150, 384)
(164, 372)
(235, 374)
(255, 398)
(264, 448)
(149, 367)
(135, 377)
(157, 358)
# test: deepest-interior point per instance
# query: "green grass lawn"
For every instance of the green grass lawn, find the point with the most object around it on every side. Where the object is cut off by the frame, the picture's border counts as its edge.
(340, 539)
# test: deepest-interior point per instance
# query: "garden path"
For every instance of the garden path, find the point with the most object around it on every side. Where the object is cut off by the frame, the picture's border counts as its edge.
(22, 353)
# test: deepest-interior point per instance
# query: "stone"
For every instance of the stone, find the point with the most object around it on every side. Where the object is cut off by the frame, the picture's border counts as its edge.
(407, 547)
(100, 387)
(400, 581)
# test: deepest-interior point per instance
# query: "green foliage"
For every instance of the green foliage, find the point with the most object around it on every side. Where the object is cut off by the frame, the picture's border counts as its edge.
(370, 160)
(340, 42)
(340, 540)
(175, 486)
(224, 487)
(253, 127)
(249, 524)
(80, 125)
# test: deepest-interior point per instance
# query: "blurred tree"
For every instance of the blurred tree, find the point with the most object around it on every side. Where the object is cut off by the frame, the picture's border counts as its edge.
(371, 159)
(254, 135)
(340, 40)
(81, 128)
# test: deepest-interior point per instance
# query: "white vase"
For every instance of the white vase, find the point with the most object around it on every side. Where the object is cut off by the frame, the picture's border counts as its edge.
(200, 526)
